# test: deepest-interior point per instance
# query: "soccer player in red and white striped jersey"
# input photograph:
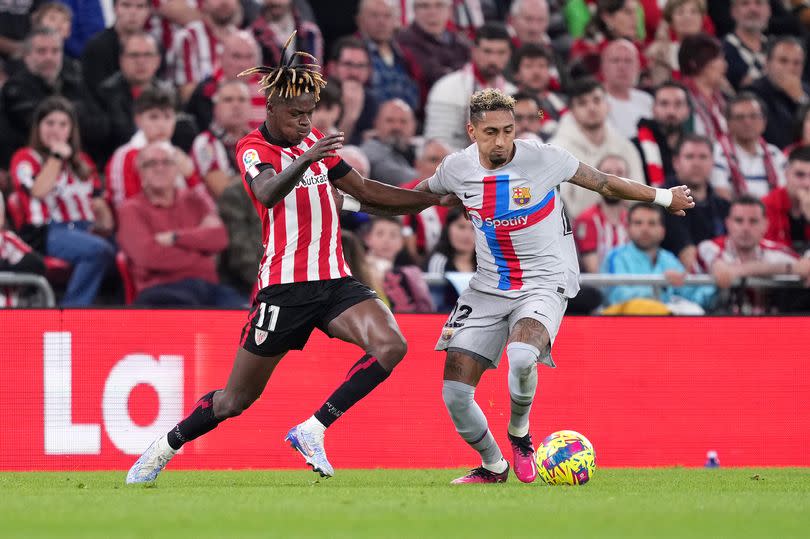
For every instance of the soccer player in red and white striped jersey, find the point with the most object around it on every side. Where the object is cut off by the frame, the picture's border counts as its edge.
(289, 170)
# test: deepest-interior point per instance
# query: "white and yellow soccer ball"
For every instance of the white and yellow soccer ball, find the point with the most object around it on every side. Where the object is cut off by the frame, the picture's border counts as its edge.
(566, 458)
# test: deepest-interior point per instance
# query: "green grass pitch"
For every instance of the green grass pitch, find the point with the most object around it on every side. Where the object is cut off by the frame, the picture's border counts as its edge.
(648, 503)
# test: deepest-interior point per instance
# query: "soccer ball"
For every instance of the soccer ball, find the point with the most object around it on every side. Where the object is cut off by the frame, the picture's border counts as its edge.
(565, 458)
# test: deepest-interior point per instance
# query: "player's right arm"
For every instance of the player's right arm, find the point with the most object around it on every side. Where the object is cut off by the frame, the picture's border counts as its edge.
(676, 200)
(270, 187)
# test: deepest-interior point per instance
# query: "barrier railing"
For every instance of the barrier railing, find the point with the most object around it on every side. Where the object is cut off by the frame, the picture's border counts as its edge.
(40, 283)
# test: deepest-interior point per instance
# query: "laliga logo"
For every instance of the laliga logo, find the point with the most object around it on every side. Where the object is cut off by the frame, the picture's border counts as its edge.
(64, 437)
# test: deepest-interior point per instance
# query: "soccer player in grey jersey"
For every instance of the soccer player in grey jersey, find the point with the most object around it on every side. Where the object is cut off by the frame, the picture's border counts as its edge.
(527, 270)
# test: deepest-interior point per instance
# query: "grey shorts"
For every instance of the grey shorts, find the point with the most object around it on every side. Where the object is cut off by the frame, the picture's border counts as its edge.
(480, 323)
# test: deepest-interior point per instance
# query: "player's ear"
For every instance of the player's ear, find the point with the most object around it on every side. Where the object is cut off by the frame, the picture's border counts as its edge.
(471, 131)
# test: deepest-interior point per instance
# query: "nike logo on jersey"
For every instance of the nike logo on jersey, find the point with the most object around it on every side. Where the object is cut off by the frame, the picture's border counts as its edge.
(467, 195)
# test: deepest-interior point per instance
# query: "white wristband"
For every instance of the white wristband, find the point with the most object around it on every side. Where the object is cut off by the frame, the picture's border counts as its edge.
(350, 203)
(663, 197)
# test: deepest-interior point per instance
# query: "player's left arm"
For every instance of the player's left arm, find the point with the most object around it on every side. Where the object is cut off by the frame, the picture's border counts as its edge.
(676, 199)
(382, 199)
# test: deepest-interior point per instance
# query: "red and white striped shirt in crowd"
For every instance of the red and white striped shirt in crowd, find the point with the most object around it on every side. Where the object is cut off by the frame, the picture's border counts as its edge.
(194, 54)
(209, 153)
(594, 234)
(710, 251)
(123, 180)
(162, 28)
(12, 249)
(68, 201)
(302, 232)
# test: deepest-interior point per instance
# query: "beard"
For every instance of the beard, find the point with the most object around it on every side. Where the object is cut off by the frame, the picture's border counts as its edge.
(670, 128)
(496, 159)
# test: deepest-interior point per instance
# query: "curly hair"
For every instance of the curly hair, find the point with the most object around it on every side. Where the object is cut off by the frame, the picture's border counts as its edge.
(487, 100)
(287, 80)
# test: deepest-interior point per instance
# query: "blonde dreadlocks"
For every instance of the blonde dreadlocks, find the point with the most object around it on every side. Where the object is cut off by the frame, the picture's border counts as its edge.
(287, 80)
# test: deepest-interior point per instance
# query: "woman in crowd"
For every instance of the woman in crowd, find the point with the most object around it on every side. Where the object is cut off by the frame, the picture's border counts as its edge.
(455, 250)
(60, 192)
(681, 18)
(613, 19)
(703, 67)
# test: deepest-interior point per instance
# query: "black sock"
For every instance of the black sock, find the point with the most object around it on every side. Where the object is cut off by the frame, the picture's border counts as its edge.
(364, 376)
(198, 422)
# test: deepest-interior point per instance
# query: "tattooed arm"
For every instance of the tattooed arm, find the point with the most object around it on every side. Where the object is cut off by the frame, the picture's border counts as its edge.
(609, 185)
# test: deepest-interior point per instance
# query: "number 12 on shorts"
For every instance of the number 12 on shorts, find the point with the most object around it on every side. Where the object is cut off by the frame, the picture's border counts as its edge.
(271, 312)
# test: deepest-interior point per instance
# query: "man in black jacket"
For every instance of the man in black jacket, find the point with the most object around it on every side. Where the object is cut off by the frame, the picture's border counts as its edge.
(45, 74)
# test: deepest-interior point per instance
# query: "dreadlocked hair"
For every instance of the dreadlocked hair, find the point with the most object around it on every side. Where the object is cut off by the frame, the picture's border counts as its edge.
(287, 80)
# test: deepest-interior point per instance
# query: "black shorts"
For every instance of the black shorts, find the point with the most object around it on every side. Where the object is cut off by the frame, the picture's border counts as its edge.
(283, 316)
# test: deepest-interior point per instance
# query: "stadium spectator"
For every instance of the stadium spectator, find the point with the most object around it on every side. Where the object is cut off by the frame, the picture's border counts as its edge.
(428, 43)
(743, 161)
(745, 47)
(241, 257)
(682, 18)
(89, 18)
(745, 252)
(60, 192)
(390, 150)
(172, 237)
(644, 255)
(350, 68)
(620, 70)
(354, 252)
(703, 67)
(531, 65)
(54, 15)
(214, 150)
(447, 104)
(391, 73)
(426, 227)
(613, 19)
(16, 256)
(239, 52)
(603, 226)
(654, 17)
(657, 138)
(528, 117)
(197, 49)
(528, 23)
(156, 120)
(328, 110)
(140, 60)
(801, 130)
(693, 167)
(788, 207)
(168, 19)
(455, 250)
(403, 284)
(102, 54)
(781, 88)
(586, 133)
(45, 74)
(276, 21)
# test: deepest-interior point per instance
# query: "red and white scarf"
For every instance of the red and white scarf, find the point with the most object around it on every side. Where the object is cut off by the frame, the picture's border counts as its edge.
(735, 172)
(709, 110)
(652, 157)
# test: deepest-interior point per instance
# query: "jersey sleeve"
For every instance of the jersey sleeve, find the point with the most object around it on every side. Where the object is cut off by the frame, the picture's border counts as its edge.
(253, 156)
(24, 169)
(439, 182)
(559, 163)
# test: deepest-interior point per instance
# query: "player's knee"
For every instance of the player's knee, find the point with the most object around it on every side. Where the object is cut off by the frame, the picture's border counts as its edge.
(390, 351)
(457, 396)
(232, 405)
(522, 357)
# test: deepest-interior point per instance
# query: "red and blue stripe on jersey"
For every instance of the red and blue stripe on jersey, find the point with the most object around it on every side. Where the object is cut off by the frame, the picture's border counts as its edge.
(499, 238)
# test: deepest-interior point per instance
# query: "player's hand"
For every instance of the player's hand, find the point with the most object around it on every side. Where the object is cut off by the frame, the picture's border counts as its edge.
(450, 201)
(325, 147)
(675, 277)
(681, 200)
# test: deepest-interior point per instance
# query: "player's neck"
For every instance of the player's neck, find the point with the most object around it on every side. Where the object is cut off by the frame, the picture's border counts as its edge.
(274, 138)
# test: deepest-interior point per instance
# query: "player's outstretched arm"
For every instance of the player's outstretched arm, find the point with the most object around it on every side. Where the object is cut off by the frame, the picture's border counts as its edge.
(676, 200)
(270, 187)
(381, 199)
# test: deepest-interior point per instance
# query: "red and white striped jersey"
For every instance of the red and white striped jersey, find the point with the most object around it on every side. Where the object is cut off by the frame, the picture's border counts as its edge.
(12, 249)
(302, 232)
(194, 54)
(209, 153)
(721, 248)
(68, 201)
(593, 232)
(123, 180)
(162, 28)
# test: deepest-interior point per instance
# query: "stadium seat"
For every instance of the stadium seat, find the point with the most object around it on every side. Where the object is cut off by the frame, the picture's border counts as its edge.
(122, 262)
(57, 270)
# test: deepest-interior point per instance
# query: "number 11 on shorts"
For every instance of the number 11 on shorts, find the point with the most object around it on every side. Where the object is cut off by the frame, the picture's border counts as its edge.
(272, 312)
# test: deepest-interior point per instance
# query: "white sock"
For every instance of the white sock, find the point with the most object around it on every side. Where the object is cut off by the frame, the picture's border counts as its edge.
(163, 445)
(313, 424)
(497, 467)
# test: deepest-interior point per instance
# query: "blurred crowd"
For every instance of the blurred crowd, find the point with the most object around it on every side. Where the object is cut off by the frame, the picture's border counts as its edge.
(119, 120)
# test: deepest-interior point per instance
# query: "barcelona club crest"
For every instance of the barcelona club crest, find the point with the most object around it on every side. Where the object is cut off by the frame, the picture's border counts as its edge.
(521, 195)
